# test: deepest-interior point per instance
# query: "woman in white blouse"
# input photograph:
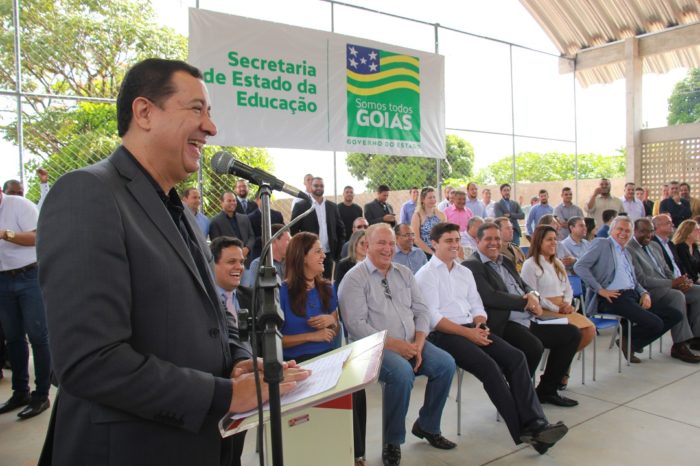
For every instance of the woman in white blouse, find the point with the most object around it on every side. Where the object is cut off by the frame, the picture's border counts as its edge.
(546, 274)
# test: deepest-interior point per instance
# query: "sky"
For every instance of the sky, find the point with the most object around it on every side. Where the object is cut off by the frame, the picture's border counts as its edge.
(477, 82)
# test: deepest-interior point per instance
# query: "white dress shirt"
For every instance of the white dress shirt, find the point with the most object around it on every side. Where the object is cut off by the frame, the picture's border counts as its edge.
(451, 294)
(547, 282)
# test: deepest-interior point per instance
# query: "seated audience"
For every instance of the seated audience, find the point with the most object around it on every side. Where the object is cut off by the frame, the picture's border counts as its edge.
(406, 253)
(612, 288)
(459, 327)
(546, 274)
(357, 250)
(424, 218)
(378, 295)
(663, 230)
(552, 221)
(359, 224)
(665, 288)
(279, 250)
(508, 248)
(574, 245)
(468, 237)
(686, 240)
(513, 308)
(608, 216)
(591, 228)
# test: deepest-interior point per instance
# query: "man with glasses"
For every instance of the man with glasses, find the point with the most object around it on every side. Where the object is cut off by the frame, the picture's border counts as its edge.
(360, 223)
(324, 221)
(406, 253)
(377, 295)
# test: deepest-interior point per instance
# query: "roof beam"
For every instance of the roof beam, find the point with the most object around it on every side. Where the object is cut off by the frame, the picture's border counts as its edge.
(650, 44)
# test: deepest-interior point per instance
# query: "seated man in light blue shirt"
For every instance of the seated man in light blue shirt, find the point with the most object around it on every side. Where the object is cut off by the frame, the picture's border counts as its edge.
(574, 245)
(612, 287)
(406, 253)
(378, 295)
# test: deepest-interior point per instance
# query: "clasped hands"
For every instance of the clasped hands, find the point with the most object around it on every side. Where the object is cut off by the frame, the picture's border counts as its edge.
(243, 376)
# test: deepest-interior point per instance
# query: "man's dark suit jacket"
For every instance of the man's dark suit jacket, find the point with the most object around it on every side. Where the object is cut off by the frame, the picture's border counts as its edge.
(221, 226)
(374, 212)
(498, 302)
(334, 225)
(255, 218)
(251, 206)
(515, 211)
(139, 341)
(674, 251)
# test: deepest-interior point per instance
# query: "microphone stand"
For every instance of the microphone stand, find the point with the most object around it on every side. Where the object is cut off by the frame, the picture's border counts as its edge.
(270, 319)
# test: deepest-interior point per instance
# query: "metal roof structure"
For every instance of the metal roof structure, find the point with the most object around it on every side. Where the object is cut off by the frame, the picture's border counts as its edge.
(593, 34)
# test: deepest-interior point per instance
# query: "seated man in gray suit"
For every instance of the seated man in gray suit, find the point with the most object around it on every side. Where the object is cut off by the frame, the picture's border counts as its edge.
(231, 223)
(612, 287)
(677, 292)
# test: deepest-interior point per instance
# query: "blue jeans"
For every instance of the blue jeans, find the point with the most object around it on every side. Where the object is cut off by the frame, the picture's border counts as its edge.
(397, 375)
(22, 313)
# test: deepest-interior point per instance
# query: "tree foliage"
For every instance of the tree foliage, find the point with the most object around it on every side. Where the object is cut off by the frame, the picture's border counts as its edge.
(684, 102)
(400, 172)
(84, 48)
(551, 166)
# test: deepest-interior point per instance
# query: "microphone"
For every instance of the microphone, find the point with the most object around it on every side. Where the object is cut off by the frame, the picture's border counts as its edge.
(223, 163)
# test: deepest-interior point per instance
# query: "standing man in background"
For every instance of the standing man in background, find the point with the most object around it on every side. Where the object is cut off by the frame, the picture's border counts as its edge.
(510, 210)
(193, 200)
(601, 200)
(566, 210)
(408, 207)
(22, 312)
(379, 210)
(348, 210)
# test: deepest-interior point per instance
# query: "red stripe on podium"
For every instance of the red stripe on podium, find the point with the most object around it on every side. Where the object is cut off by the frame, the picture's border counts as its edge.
(344, 402)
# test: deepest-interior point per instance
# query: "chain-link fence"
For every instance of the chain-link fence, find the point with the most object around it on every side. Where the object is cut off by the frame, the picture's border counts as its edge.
(74, 54)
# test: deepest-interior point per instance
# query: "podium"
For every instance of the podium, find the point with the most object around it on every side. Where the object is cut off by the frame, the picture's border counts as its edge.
(318, 430)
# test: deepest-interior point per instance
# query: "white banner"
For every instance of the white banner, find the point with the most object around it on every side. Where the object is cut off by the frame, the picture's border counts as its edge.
(273, 85)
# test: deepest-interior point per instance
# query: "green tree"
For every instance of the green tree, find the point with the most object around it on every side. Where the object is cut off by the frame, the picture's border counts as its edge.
(83, 48)
(684, 102)
(551, 166)
(400, 172)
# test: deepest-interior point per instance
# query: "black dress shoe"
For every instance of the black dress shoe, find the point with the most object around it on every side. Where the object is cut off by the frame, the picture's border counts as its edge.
(633, 359)
(544, 432)
(682, 352)
(17, 400)
(541, 447)
(33, 408)
(557, 400)
(391, 455)
(436, 440)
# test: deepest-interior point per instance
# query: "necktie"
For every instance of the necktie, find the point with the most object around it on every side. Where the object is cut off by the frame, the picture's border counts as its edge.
(230, 304)
(244, 204)
(653, 260)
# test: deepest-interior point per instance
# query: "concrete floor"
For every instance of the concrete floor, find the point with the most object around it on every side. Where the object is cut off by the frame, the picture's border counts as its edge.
(648, 415)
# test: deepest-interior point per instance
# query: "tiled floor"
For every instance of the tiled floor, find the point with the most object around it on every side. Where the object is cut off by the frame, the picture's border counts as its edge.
(648, 415)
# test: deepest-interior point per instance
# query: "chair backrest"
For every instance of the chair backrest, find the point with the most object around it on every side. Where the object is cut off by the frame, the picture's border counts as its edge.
(576, 285)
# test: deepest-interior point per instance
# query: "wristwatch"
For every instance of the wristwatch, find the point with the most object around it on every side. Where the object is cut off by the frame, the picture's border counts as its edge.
(9, 235)
(535, 293)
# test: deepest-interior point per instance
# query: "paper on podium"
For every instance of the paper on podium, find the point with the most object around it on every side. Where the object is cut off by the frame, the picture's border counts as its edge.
(334, 374)
(325, 373)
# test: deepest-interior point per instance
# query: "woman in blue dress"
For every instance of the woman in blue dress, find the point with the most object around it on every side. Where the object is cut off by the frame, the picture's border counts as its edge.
(308, 301)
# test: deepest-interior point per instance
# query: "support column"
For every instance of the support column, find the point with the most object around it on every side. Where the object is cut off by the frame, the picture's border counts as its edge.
(633, 110)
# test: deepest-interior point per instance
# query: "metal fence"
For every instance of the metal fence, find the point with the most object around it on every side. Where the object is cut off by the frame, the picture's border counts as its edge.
(61, 116)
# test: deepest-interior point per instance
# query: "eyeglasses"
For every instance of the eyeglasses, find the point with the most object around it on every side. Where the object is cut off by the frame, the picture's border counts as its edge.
(361, 227)
(387, 290)
(408, 235)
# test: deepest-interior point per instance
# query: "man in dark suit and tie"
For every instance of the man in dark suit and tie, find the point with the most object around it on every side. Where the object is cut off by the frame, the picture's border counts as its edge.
(510, 210)
(663, 230)
(379, 210)
(231, 223)
(666, 288)
(243, 205)
(145, 359)
(511, 305)
(324, 221)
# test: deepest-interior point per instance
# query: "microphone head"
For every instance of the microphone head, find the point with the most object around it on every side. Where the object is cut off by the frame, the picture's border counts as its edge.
(221, 162)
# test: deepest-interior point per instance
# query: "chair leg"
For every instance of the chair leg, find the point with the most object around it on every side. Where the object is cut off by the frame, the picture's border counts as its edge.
(595, 354)
(583, 366)
(619, 348)
(629, 341)
(381, 384)
(460, 376)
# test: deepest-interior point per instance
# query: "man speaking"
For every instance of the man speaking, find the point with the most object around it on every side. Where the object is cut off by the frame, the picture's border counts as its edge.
(146, 361)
